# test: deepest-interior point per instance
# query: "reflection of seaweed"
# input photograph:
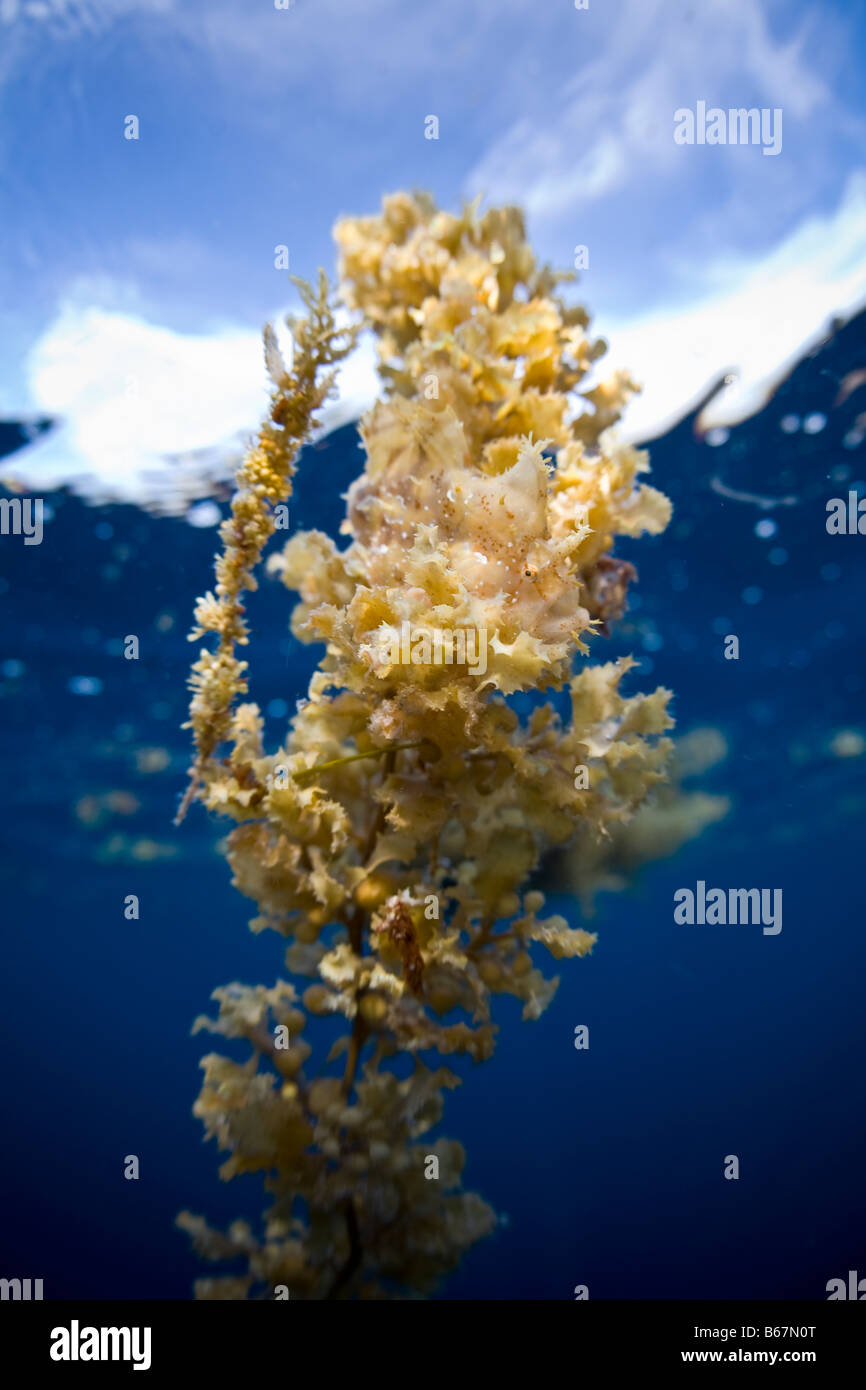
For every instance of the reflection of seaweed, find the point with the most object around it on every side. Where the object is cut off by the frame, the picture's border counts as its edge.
(670, 818)
(391, 836)
(765, 503)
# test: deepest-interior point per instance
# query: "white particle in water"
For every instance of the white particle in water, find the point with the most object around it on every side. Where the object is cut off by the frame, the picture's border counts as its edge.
(814, 423)
(84, 685)
(204, 514)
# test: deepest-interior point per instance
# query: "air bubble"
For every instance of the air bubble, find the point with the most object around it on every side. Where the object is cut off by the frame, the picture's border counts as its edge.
(84, 685)
(814, 423)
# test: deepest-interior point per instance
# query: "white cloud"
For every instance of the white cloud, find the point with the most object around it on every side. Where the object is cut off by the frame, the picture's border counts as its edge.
(703, 260)
(611, 127)
(760, 318)
(152, 416)
(74, 16)
(716, 263)
(144, 411)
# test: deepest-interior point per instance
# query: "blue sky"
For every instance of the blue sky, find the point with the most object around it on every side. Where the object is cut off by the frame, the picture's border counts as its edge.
(132, 269)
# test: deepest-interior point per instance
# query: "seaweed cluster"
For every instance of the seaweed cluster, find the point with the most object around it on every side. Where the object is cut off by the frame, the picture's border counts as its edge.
(392, 836)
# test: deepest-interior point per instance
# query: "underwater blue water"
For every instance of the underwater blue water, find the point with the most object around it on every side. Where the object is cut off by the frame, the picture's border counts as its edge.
(705, 1041)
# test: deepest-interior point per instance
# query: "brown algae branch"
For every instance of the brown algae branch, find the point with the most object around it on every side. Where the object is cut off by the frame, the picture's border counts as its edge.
(264, 481)
(458, 518)
(351, 758)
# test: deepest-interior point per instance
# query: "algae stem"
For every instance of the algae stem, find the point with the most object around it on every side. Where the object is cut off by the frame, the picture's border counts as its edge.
(351, 758)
